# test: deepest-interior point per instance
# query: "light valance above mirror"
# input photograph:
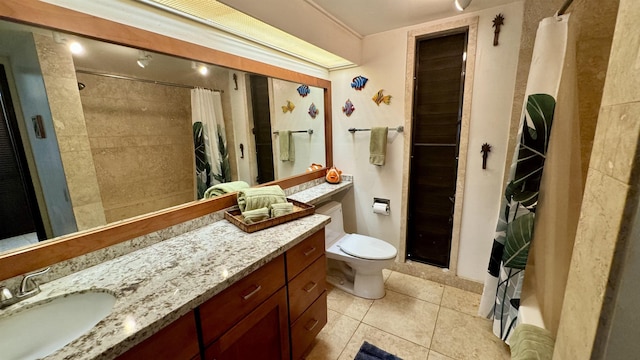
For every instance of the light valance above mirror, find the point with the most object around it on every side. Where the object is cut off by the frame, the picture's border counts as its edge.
(153, 47)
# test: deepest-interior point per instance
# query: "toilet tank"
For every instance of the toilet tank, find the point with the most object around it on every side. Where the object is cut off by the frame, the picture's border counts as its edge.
(335, 229)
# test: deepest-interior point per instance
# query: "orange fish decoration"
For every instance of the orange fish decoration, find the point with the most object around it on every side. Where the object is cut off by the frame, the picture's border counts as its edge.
(379, 98)
(289, 107)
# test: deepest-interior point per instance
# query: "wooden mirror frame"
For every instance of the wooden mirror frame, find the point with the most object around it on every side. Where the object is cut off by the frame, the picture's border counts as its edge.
(41, 14)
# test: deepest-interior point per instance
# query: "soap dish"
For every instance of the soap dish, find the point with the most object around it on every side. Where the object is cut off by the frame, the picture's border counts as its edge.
(300, 209)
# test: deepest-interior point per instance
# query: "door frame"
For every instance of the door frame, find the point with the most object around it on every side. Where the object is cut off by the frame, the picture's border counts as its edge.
(428, 31)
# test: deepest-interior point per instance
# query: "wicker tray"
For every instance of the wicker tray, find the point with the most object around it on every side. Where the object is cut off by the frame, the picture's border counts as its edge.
(300, 209)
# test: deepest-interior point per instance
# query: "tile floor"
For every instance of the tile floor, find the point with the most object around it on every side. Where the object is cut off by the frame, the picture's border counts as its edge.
(417, 319)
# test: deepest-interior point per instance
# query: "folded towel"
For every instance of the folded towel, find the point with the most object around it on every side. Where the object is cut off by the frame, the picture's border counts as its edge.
(378, 145)
(225, 188)
(529, 342)
(287, 148)
(259, 197)
(281, 209)
(253, 216)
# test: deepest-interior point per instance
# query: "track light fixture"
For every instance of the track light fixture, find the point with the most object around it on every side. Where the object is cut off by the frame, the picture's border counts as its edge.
(144, 59)
(461, 4)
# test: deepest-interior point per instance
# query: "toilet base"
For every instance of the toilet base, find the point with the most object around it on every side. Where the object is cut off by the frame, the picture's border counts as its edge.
(343, 277)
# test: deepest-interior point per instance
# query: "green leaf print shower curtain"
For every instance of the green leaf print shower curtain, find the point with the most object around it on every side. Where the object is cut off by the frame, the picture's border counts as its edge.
(514, 230)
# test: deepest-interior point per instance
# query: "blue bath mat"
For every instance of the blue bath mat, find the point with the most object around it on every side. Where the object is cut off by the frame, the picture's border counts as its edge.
(371, 352)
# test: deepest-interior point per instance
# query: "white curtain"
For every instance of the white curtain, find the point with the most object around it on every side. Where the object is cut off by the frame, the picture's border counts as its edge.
(550, 66)
(209, 139)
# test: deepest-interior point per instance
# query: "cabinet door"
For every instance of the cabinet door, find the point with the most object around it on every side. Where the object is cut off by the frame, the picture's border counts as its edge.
(177, 341)
(261, 335)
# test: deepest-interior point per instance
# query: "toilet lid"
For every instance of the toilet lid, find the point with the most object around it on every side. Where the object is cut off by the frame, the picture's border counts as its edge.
(367, 247)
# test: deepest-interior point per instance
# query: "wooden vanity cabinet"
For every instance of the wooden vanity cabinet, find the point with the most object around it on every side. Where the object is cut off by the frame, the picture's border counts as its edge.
(178, 341)
(307, 291)
(273, 313)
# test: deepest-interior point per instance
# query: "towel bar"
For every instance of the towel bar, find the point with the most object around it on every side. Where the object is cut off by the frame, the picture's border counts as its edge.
(398, 129)
(310, 131)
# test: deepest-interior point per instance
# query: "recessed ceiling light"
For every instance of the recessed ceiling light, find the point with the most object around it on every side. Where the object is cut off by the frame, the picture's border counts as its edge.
(76, 48)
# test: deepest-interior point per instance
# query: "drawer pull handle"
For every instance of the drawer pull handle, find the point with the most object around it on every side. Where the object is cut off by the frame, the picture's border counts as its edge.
(258, 288)
(309, 251)
(310, 286)
(310, 328)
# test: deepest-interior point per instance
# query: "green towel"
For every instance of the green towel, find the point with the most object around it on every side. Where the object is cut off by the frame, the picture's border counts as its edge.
(256, 215)
(281, 209)
(259, 197)
(378, 145)
(287, 149)
(225, 188)
(529, 342)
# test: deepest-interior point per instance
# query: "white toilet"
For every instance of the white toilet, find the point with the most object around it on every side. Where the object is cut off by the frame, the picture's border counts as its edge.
(354, 261)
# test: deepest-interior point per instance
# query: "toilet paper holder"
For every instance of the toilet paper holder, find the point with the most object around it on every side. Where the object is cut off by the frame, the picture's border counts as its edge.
(381, 206)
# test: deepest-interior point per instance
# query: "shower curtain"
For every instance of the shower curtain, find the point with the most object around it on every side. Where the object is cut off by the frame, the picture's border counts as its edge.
(212, 159)
(550, 66)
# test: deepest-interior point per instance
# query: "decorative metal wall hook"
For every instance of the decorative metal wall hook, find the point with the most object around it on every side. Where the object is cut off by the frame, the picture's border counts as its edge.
(486, 149)
(235, 80)
(497, 23)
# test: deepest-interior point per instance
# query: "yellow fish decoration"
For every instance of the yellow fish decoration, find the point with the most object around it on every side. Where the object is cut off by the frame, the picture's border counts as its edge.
(379, 98)
(289, 107)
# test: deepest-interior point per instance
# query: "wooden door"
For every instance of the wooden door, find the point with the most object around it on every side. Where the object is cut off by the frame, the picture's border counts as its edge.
(439, 83)
(19, 213)
(262, 128)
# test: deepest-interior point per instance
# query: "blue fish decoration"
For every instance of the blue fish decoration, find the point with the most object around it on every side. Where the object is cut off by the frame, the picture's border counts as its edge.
(303, 90)
(359, 82)
(313, 111)
(348, 108)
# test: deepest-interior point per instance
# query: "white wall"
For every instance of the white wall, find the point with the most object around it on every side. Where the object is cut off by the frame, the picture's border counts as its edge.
(384, 63)
(308, 148)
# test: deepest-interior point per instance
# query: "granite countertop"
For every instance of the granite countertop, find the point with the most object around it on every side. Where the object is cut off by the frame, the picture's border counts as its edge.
(157, 285)
(322, 192)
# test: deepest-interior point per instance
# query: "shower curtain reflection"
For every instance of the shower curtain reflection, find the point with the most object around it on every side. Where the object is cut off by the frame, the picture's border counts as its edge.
(211, 156)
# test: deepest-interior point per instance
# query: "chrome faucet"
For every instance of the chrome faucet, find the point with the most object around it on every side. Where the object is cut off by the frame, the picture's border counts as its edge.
(28, 288)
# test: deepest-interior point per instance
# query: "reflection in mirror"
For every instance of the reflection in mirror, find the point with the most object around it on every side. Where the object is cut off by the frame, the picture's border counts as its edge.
(106, 133)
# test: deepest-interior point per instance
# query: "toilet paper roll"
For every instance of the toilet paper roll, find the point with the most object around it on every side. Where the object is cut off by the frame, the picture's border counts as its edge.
(381, 208)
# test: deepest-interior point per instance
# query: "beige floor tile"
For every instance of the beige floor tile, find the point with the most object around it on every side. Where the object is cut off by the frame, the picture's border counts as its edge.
(413, 286)
(385, 274)
(463, 337)
(460, 300)
(334, 337)
(347, 304)
(437, 356)
(392, 344)
(404, 316)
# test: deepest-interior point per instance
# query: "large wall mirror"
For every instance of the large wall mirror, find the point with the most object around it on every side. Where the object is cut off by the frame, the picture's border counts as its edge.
(95, 133)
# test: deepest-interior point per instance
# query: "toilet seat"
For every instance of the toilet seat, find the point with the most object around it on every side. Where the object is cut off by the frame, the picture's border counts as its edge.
(366, 247)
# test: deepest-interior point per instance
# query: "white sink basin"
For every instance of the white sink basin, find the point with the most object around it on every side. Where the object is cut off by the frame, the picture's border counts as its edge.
(49, 325)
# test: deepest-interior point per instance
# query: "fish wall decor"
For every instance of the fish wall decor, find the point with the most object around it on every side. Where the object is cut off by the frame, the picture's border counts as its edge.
(313, 111)
(289, 107)
(303, 90)
(348, 108)
(359, 82)
(379, 98)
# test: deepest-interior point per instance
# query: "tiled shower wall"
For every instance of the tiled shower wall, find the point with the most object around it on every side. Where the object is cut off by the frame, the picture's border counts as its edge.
(61, 85)
(141, 142)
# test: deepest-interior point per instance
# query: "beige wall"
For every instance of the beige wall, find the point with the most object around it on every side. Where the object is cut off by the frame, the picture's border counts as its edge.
(66, 109)
(602, 233)
(141, 142)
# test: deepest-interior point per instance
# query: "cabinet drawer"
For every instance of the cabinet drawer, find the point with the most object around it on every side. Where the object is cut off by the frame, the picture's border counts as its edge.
(227, 308)
(179, 340)
(308, 325)
(305, 288)
(303, 254)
